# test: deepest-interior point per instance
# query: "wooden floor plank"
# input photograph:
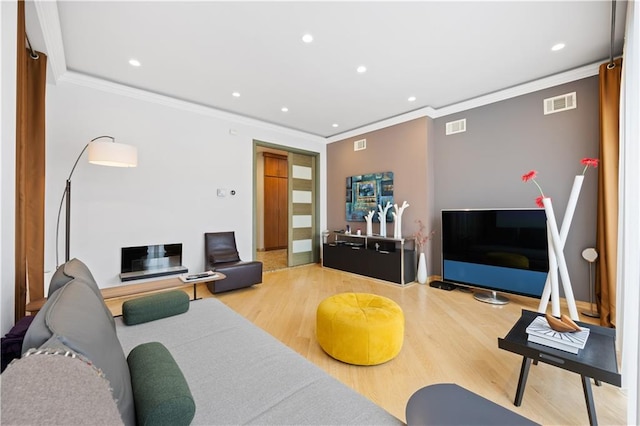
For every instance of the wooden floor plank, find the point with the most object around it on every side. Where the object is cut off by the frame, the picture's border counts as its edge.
(449, 338)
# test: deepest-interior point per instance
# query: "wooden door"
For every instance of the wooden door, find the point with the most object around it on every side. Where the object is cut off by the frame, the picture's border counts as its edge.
(283, 212)
(275, 201)
(271, 212)
(304, 241)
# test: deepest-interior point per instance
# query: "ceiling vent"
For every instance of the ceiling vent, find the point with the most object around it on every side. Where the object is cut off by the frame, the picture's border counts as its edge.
(457, 126)
(360, 145)
(560, 103)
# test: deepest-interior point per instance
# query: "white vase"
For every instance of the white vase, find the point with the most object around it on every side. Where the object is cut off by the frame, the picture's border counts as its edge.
(422, 269)
(382, 215)
(551, 284)
(383, 225)
(557, 249)
(397, 229)
(369, 218)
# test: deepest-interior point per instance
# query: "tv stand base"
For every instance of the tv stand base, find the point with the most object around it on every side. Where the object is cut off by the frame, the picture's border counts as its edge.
(491, 297)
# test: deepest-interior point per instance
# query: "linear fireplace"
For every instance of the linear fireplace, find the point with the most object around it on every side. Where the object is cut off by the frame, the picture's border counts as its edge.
(151, 261)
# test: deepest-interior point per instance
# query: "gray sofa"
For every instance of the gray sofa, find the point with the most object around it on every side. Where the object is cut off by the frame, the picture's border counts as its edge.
(236, 372)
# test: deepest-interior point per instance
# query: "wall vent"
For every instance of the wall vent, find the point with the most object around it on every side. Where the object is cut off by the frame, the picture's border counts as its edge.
(360, 145)
(560, 103)
(457, 126)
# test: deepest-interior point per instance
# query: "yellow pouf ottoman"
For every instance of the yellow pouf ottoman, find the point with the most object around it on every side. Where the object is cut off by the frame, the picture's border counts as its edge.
(360, 328)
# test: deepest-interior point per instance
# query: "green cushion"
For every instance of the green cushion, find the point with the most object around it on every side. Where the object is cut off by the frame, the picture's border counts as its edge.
(155, 306)
(160, 391)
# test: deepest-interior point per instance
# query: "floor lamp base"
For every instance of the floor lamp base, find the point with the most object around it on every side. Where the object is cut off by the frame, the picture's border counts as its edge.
(591, 314)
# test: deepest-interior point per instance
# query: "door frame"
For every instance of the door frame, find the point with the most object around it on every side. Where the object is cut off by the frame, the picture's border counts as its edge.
(316, 158)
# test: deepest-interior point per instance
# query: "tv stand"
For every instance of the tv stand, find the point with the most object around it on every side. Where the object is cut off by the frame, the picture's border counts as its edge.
(491, 297)
(374, 256)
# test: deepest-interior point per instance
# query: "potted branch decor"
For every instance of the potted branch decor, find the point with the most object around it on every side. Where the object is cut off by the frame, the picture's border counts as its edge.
(421, 240)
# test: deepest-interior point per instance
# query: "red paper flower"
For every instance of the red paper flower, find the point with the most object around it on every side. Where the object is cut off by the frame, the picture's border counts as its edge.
(531, 176)
(589, 162)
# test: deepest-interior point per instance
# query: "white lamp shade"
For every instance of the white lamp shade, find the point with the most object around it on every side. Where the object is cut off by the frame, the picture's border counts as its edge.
(113, 154)
(590, 255)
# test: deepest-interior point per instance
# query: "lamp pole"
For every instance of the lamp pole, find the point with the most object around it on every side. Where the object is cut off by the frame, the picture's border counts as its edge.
(66, 195)
(113, 154)
(67, 226)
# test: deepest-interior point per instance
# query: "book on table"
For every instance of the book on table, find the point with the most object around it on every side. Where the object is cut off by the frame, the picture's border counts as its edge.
(540, 332)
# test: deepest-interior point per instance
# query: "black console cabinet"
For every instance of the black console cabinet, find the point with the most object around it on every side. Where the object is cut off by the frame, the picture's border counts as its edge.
(373, 256)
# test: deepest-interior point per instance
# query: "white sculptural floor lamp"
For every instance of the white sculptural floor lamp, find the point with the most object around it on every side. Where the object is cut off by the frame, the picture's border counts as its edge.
(103, 153)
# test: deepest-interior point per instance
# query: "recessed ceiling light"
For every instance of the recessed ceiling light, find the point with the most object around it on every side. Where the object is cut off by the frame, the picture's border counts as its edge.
(134, 62)
(411, 98)
(557, 47)
(284, 109)
(361, 69)
(235, 94)
(307, 38)
(334, 125)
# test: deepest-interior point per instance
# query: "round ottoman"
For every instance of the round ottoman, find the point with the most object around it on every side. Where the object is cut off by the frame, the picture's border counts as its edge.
(360, 328)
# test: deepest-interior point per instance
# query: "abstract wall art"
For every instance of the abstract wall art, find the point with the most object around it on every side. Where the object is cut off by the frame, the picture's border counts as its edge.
(365, 192)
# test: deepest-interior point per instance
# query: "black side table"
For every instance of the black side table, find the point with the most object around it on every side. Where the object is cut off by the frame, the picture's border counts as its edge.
(596, 361)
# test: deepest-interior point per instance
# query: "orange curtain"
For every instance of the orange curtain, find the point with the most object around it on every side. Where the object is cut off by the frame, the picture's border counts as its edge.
(607, 232)
(30, 171)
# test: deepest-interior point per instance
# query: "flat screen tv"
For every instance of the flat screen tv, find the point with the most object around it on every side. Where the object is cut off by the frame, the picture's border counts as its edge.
(500, 250)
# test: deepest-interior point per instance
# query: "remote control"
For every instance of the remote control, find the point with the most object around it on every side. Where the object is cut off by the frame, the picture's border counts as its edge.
(196, 276)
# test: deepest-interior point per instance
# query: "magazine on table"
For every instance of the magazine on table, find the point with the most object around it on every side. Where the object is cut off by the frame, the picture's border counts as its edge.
(540, 332)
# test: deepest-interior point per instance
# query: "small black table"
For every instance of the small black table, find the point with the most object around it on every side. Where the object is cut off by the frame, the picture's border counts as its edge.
(596, 361)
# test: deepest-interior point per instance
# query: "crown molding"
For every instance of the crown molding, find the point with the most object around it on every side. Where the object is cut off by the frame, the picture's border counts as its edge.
(47, 13)
(83, 80)
(522, 89)
(501, 95)
(387, 122)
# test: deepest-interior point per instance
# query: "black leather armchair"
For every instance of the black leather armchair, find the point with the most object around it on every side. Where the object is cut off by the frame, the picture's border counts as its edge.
(222, 255)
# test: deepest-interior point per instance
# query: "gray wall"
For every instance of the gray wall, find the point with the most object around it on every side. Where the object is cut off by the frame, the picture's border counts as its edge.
(401, 149)
(482, 167)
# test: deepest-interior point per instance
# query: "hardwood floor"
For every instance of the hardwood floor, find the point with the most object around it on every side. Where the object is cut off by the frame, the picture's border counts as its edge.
(449, 338)
(272, 259)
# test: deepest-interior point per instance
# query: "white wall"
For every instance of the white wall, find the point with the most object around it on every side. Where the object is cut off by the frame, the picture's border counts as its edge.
(185, 153)
(628, 279)
(8, 29)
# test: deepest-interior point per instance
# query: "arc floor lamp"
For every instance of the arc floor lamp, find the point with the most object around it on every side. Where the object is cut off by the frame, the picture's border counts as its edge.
(104, 153)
